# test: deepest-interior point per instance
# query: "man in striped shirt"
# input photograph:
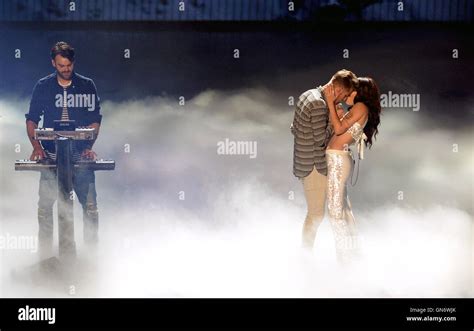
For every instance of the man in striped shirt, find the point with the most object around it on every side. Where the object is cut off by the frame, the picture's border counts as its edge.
(64, 95)
(311, 132)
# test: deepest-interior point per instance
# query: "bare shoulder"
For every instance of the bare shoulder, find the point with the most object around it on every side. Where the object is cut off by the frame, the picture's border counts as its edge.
(360, 108)
(358, 111)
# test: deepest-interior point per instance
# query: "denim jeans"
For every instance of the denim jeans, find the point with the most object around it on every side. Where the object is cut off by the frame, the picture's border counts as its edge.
(84, 187)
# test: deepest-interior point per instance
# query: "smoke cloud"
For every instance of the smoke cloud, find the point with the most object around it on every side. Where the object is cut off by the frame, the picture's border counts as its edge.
(177, 219)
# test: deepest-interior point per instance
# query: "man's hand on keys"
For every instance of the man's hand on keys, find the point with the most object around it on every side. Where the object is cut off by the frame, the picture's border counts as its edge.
(38, 154)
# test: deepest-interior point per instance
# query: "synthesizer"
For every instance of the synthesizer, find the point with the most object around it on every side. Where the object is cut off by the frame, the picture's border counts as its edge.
(81, 133)
(94, 165)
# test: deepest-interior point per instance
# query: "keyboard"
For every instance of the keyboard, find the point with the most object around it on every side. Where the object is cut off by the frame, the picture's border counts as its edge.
(80, 133)
(100, 164)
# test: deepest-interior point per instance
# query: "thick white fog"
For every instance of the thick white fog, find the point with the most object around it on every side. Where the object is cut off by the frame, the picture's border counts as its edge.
(177, 219)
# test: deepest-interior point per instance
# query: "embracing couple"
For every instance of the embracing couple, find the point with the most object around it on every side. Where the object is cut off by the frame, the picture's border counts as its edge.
(323, 160)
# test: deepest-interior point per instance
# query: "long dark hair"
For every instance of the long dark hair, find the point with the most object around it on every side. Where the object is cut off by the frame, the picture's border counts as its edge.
(368, 93)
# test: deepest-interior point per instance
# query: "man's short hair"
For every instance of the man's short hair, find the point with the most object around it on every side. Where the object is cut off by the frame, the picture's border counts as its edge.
(64, 49)
(346, 79)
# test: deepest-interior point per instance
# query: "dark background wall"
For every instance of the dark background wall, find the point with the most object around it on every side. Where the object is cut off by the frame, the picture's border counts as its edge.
(237, 10)
(185, 59)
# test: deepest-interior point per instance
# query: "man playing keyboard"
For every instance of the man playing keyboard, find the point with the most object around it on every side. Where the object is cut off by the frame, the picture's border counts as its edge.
(64, 95)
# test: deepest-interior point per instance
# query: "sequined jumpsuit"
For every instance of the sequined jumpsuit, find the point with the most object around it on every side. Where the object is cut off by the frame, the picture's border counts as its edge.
(339, 165)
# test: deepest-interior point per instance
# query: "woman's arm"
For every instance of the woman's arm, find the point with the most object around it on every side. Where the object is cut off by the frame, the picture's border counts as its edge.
(339, 111)
(333, 116)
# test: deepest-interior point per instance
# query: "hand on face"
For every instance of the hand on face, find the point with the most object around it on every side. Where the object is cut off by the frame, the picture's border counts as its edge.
(350, 99)
(329, 93)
